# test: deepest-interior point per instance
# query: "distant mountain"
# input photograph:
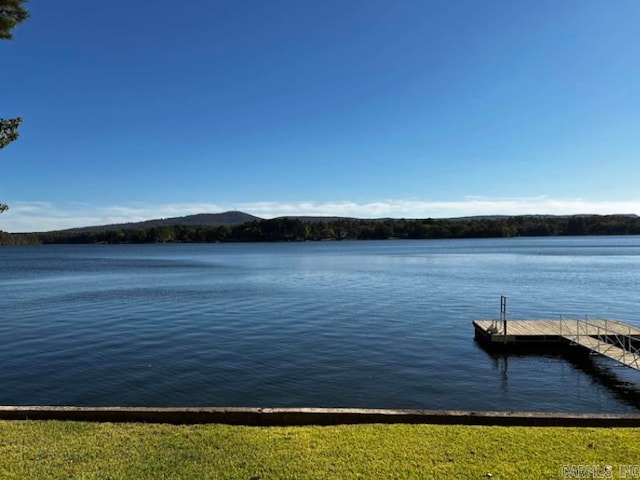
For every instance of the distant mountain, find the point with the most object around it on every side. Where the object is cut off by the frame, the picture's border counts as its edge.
(541, 216)
(201, 219)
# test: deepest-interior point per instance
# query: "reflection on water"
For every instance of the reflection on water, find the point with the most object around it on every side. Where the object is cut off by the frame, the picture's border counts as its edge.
(622, 382)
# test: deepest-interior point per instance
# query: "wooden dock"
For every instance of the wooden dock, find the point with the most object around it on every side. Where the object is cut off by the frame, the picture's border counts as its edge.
(610, 338)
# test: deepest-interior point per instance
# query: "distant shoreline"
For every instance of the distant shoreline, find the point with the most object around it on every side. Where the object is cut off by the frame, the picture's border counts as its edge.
(301, 229)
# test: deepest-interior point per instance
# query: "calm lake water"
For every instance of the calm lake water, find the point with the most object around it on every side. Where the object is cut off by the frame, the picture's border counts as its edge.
(346, 324)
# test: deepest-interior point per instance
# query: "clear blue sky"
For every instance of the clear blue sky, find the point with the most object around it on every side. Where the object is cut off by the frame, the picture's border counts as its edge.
(146, 109)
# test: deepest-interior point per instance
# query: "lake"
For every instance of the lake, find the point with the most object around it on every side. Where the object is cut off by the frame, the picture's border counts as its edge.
(380, 324)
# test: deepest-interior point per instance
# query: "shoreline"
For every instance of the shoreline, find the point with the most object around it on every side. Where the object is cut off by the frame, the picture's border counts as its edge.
(257, 416)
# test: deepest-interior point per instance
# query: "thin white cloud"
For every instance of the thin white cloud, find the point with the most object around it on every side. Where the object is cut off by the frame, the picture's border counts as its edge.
(46, 216)
(413, 208)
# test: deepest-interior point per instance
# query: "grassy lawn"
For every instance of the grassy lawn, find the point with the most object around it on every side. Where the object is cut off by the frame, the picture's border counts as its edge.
(39, 449)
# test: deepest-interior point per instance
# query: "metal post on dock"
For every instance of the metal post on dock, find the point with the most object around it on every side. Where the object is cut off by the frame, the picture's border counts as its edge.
(578, 329)
(503, 316)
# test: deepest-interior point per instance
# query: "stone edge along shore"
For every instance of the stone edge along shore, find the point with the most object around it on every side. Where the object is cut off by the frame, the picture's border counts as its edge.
(313, 416)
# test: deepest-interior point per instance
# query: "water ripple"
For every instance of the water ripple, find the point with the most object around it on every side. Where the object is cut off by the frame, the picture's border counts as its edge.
(371, 324)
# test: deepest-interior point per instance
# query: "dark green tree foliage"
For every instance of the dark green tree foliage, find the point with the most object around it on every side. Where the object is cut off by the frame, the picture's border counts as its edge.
(8, 133)
(12, 12)
(8, 130)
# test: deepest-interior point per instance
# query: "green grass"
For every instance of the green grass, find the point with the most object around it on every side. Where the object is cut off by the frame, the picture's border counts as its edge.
(41, 450)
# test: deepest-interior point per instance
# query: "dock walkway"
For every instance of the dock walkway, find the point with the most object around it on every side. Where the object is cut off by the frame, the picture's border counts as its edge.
(611, 338)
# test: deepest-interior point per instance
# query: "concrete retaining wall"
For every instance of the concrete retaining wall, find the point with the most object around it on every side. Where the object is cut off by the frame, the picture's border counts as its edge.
(312, 416)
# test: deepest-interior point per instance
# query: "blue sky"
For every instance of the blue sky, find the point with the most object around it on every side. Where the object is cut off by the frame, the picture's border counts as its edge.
(360, 108)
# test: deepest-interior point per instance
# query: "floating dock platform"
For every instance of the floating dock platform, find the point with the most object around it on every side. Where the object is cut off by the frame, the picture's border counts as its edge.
(611, 338)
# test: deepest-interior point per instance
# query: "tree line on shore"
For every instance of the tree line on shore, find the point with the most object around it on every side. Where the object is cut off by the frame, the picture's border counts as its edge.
(292, 229)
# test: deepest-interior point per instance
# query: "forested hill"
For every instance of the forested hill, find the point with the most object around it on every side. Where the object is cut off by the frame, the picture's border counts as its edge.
(314, 229)
(201, 219)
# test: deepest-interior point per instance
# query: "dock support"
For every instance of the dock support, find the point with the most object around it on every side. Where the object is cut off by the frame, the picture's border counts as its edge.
(503, 315)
